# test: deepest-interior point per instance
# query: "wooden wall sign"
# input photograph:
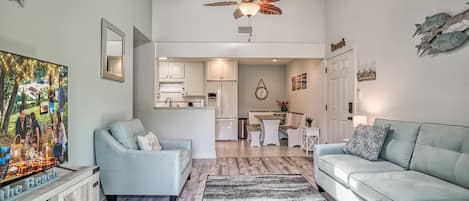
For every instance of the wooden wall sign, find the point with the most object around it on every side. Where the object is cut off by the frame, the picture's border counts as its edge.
(366, 75)
(339, 45)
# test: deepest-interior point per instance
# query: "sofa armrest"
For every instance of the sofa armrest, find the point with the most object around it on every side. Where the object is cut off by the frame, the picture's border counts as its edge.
(176, 144)
(325, 149)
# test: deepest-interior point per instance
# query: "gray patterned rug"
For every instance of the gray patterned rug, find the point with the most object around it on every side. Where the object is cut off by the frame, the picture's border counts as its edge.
(260, 187)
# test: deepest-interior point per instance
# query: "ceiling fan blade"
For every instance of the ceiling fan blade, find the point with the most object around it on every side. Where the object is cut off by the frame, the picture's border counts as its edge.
(247, 1)
(269, 1)
(238, 14)
(225, 3)
(269, 9)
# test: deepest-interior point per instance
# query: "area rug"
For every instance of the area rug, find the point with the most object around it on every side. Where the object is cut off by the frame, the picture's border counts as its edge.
(260, 188)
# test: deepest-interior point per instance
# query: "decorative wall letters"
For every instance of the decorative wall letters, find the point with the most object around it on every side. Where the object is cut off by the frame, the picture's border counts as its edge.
(336, 46)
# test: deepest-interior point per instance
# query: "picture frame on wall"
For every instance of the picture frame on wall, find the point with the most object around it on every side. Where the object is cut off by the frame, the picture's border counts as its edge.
(293, 83)
(304, 81)
(299, 82)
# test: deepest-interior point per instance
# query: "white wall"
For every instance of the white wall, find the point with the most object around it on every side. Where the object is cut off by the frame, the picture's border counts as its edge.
(248, 78)
(309, 101)
(184, 25)
(188, 20)
(195, 124)
(69, 32)
(432, 88)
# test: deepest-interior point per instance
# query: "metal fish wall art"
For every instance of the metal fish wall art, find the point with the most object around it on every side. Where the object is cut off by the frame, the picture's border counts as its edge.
(442, 33)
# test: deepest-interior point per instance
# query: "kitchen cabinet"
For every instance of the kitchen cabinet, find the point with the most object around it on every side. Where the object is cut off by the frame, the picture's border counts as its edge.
(163, 71)
(194, 79)
(176, 70)
(222, 70)
(171, 72)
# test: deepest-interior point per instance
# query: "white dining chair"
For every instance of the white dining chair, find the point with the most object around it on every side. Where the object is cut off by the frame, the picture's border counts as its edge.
(270, 129)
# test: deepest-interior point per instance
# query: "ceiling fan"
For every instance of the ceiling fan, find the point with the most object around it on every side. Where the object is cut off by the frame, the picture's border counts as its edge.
(251, 7)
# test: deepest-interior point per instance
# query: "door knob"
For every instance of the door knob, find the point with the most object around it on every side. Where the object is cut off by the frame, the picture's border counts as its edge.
(350, 118)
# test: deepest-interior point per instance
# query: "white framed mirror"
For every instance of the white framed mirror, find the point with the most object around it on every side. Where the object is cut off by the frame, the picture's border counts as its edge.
(112, 52)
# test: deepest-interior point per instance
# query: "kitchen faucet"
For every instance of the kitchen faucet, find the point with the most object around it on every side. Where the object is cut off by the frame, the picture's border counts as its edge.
(170, 102)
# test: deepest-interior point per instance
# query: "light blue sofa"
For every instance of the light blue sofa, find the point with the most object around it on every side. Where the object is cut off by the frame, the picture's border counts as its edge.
(129, 171)
(419, 162)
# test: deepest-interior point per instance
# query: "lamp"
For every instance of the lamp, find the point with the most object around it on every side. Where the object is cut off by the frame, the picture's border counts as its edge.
(249, 9)
(360, 119)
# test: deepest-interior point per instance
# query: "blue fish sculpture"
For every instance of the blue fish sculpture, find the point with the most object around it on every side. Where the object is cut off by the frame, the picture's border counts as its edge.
(432, 22)
(448, 42)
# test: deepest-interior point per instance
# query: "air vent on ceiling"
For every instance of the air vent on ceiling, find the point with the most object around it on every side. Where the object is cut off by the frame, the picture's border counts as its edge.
(245, 29)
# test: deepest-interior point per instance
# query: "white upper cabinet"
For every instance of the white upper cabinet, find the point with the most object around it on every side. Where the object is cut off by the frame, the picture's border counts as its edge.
(222, 70)
(176, 70)
(214, 70)
(194, 79)
(171, 72)
(230, 71)
(163, 70)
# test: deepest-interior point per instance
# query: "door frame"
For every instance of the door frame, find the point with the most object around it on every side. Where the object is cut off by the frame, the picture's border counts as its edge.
(355, 88)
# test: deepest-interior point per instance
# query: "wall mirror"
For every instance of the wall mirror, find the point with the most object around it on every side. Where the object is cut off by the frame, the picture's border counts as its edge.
(112, 52)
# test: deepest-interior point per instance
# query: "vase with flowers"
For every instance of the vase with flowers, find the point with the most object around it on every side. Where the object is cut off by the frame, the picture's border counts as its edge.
(309, 122)
(283, 105)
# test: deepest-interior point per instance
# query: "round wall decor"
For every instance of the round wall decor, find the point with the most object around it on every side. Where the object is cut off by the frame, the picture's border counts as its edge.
(261, 91)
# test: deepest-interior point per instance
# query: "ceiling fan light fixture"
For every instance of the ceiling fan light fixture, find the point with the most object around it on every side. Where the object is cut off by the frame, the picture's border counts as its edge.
(249, 9)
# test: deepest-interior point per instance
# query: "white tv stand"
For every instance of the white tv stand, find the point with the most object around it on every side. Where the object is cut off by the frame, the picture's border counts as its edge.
(73, 184)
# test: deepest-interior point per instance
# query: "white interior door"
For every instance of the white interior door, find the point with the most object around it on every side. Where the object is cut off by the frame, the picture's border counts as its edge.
(340, 97)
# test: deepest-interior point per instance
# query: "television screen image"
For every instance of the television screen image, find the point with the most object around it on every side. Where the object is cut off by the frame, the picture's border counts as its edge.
(33, 116)
(44, 107)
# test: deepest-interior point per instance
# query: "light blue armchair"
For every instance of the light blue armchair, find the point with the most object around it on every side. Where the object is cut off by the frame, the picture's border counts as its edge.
(127, 171)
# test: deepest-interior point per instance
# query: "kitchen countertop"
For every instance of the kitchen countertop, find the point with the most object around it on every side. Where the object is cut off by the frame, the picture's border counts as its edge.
(184, 108)
(269, 117)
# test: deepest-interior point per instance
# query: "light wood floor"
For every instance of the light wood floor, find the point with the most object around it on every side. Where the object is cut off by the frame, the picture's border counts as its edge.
(238, 158)
(243, 148)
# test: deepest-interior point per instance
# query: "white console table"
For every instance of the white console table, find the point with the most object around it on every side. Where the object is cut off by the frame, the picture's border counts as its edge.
(73, 184)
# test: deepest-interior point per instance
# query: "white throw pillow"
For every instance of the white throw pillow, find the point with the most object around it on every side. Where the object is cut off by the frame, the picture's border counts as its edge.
(149, 142)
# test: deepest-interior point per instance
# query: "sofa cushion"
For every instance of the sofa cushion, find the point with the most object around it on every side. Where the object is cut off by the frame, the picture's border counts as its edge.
(125, 132)
(443, 151)
(149, 142)
(341, 166)
(405, 186)
(367, 141)
(400, 141)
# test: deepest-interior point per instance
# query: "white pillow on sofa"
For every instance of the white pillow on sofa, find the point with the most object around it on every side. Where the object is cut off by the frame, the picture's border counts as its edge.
(148, 142)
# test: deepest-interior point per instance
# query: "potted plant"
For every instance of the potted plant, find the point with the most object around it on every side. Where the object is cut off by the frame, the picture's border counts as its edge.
(309, 121)
(283, 105)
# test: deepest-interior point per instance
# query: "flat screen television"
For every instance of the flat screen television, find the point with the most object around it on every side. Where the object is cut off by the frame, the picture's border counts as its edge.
(33, 116)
